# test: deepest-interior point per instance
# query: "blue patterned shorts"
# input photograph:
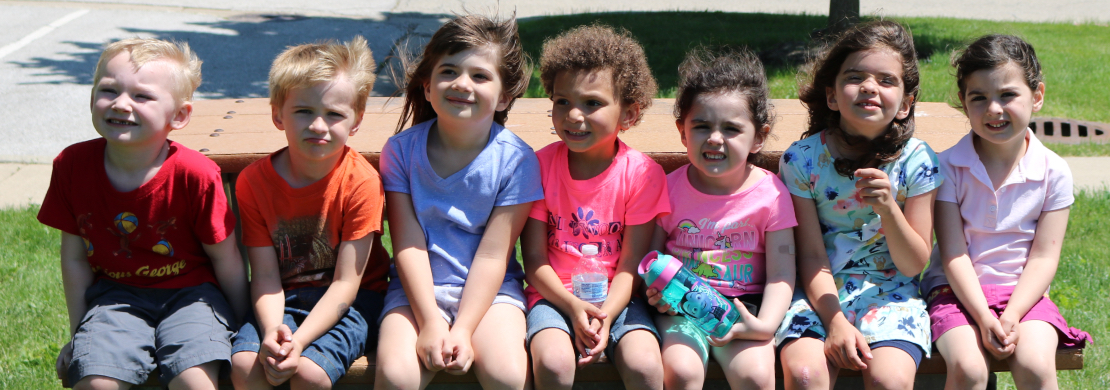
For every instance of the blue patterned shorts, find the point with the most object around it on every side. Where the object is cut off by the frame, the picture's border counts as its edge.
(882, 306)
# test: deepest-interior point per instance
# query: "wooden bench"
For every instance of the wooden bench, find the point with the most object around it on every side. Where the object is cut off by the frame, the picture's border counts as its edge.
(235, 133)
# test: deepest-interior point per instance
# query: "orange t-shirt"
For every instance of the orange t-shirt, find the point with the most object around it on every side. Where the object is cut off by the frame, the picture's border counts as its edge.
(305, 225)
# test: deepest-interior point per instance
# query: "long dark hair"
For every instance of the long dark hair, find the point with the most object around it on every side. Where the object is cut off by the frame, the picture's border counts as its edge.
(867, 36)
(462, 33)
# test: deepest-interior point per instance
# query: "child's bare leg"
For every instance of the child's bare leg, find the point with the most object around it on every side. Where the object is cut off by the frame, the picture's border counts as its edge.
(200, 377)
(964, 358)
(498, 342)
(397, 364)
(247, 372)
(96, 382)
(639, 361)
(683, 356)
(748, 364)
(891, 369)
(553, 359)
(309, 376)
(804, 365)
(1034, 360)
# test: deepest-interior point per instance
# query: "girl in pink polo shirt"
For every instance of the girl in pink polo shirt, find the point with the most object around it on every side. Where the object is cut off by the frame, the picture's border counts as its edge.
(1000, 222)
(732, 223)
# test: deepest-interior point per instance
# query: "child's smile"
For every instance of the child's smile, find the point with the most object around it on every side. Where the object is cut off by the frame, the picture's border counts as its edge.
(467, 86)
(136, 106)
(719, 136)
(587, 113)
(1000, 104)
(869, 93)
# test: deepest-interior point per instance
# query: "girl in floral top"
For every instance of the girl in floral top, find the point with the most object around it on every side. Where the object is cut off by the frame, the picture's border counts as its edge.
(863, 191)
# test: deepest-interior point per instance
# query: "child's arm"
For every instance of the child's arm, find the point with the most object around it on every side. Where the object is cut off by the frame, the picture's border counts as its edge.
(269, 310)
(1040, 268)
(636, 242)
(350, 264)
(77, 277)
(964, 281)
(843, 338)
(228, 265)
(410, 255)
(908, 234)
(776, 294)
(487, 272)
(539, 274)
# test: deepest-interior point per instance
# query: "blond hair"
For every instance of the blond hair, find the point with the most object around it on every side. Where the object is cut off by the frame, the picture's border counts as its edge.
(303, 65)
(186, 77)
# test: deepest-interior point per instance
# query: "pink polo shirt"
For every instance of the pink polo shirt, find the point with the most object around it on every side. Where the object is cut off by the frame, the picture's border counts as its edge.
(999, 225)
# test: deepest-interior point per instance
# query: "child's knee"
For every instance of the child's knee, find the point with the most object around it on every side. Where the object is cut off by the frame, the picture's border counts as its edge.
(310, 376)
(683, 374)
(892, 379)
(96, 382)
(969, 372)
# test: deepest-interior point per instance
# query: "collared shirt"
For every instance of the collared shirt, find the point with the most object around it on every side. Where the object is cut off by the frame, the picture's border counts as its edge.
(999, 225)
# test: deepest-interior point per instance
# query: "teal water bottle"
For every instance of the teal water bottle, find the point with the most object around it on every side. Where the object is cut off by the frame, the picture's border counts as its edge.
(688, 294)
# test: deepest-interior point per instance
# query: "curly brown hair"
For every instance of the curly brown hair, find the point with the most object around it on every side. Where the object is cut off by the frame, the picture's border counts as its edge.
(599, 47)
(867, 36)
(463, 33)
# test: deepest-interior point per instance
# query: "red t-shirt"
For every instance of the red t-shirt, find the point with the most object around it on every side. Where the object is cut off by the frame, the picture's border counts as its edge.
(148, 237)
(305, 225)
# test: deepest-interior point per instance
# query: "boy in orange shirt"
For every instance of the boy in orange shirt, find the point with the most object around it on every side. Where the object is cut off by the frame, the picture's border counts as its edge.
(311, 216)
(147, 234)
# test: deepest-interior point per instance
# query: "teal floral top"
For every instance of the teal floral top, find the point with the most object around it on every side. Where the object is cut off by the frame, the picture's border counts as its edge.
(851, 230)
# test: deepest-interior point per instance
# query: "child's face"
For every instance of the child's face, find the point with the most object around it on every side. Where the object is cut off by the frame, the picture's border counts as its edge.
(467, 86)
(718, 134)
(869, 93)
(318, 119)
(586, 112)
(137, 107)
(1000, 104)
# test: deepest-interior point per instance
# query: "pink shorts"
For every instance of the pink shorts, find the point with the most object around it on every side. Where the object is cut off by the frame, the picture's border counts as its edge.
(946, 312)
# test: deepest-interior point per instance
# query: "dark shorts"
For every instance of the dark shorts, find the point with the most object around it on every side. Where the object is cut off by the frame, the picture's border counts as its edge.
(912, 349)
(129, 331)
(545, 315)
(335, 350)
(946, 312)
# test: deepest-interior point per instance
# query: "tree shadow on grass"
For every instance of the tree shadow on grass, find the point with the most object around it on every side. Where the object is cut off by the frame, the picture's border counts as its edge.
(237, 51)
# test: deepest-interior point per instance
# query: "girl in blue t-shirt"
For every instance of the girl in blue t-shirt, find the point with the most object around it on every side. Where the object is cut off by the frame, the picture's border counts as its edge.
(863, 191)
(459, 187)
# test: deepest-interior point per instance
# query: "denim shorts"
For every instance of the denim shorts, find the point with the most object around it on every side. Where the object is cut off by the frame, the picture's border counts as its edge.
(335, 350)
(449, 297)
(545, 315)
(129, 331)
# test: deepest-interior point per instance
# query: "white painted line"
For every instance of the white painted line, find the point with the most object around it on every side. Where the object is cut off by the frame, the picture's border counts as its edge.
(9, 49)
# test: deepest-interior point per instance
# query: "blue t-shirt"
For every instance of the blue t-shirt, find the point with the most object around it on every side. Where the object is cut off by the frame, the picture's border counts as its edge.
(453, 211)
(851, 230)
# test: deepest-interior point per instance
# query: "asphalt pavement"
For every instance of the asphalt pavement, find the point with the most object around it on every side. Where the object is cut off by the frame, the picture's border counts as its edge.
(48, 50)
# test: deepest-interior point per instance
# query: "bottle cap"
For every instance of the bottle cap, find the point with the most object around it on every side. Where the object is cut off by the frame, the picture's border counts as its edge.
(589, 250)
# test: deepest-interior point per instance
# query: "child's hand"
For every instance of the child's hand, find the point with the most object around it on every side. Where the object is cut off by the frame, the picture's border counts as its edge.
(275, 348)
(584, 313)
(64, 358)
(874, 189)
(278, 372)
(430, 346)
(748, 327)
(655, 298)
(459, 353)
(996, 339)
(591, 353)
(844, 345)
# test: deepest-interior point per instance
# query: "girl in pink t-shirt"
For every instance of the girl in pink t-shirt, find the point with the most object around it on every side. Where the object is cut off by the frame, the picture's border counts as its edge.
(731, 222)
(1000, 223)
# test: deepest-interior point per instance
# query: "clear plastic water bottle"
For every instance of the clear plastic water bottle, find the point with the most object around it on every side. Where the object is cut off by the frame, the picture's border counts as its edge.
(590, 278)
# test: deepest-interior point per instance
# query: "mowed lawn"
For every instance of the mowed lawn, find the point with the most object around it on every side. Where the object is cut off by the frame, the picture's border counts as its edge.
(34, 325)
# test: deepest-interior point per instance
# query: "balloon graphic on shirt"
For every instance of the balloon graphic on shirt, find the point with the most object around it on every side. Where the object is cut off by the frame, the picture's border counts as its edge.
(126, 222)
(88, 247)
(163, 248)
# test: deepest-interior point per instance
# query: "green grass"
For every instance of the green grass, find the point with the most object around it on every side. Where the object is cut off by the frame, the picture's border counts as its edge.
(35, 326)
(1087, 149)
(1074, 57)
